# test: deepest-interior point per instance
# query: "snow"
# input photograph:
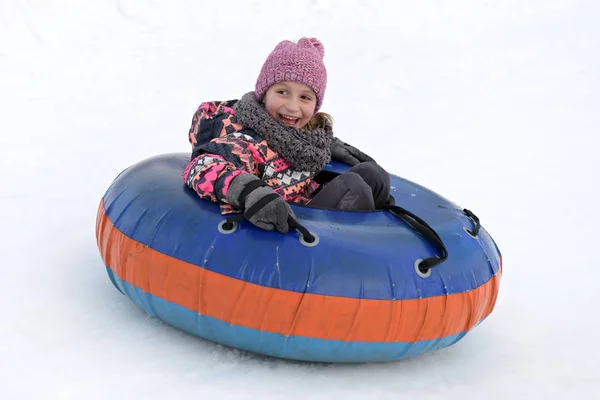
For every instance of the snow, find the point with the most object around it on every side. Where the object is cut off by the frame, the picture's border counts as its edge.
(493, 104)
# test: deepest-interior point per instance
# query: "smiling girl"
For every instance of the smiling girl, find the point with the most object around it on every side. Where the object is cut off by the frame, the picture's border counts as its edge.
(256, 154)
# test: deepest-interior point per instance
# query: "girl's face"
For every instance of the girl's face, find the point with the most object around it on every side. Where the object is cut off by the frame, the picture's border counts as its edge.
(291, 103)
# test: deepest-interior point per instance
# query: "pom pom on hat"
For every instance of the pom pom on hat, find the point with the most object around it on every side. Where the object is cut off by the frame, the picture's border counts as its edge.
(314, 42)
(299, 62)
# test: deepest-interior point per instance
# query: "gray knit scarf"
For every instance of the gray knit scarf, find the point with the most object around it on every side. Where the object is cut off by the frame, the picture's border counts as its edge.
(304, 149)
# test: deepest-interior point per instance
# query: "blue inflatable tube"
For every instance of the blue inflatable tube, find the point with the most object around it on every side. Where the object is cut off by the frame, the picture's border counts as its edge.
(357, 295)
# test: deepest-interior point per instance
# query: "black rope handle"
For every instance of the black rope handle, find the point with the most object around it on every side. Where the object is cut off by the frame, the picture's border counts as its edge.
(470, 214)
(228, 225)
(292, 222)
(426, 231)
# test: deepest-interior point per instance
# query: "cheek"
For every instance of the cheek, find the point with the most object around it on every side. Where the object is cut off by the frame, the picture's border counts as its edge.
(305, 119)
(308, 110)
(272, 105)
(271, 108)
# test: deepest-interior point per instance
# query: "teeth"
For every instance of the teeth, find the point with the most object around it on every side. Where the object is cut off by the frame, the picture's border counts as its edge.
(288, 118)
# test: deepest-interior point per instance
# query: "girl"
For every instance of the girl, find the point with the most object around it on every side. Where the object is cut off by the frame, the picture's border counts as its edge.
(264, 150)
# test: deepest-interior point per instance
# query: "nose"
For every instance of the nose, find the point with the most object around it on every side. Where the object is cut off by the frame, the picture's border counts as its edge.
(292, 105)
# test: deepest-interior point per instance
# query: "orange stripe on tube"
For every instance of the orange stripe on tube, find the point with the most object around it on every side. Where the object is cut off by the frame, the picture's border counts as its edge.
(290, 313)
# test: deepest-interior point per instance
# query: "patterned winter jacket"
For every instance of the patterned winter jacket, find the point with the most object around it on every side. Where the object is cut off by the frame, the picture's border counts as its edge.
(223, 149)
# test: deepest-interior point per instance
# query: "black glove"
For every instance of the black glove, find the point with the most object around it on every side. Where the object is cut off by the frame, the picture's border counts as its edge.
(347, 153)
(262, 206)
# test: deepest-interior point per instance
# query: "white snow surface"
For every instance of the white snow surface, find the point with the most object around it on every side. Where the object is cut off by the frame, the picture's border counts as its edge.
(493, 104)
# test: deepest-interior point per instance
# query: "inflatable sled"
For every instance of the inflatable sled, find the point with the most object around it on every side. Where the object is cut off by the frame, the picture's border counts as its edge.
(344, 287)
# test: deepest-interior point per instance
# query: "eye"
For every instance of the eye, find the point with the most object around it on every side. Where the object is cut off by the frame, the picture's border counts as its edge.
(282, 91)
(306, 97)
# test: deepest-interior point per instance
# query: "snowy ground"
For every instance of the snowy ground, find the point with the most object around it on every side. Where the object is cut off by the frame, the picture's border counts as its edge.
(493, 104)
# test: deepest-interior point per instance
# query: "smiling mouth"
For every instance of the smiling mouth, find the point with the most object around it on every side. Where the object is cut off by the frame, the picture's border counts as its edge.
(288, 120)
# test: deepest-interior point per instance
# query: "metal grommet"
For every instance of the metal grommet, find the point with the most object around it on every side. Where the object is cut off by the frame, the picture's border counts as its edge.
(309, 244)
(468, 231)
(419, 272)
(227, 227)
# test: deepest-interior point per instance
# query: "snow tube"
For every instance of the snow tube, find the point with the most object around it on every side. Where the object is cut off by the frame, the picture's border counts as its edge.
(356, 294)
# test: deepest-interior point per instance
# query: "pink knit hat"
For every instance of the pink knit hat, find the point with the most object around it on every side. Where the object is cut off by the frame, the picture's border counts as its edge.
(299, 62)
